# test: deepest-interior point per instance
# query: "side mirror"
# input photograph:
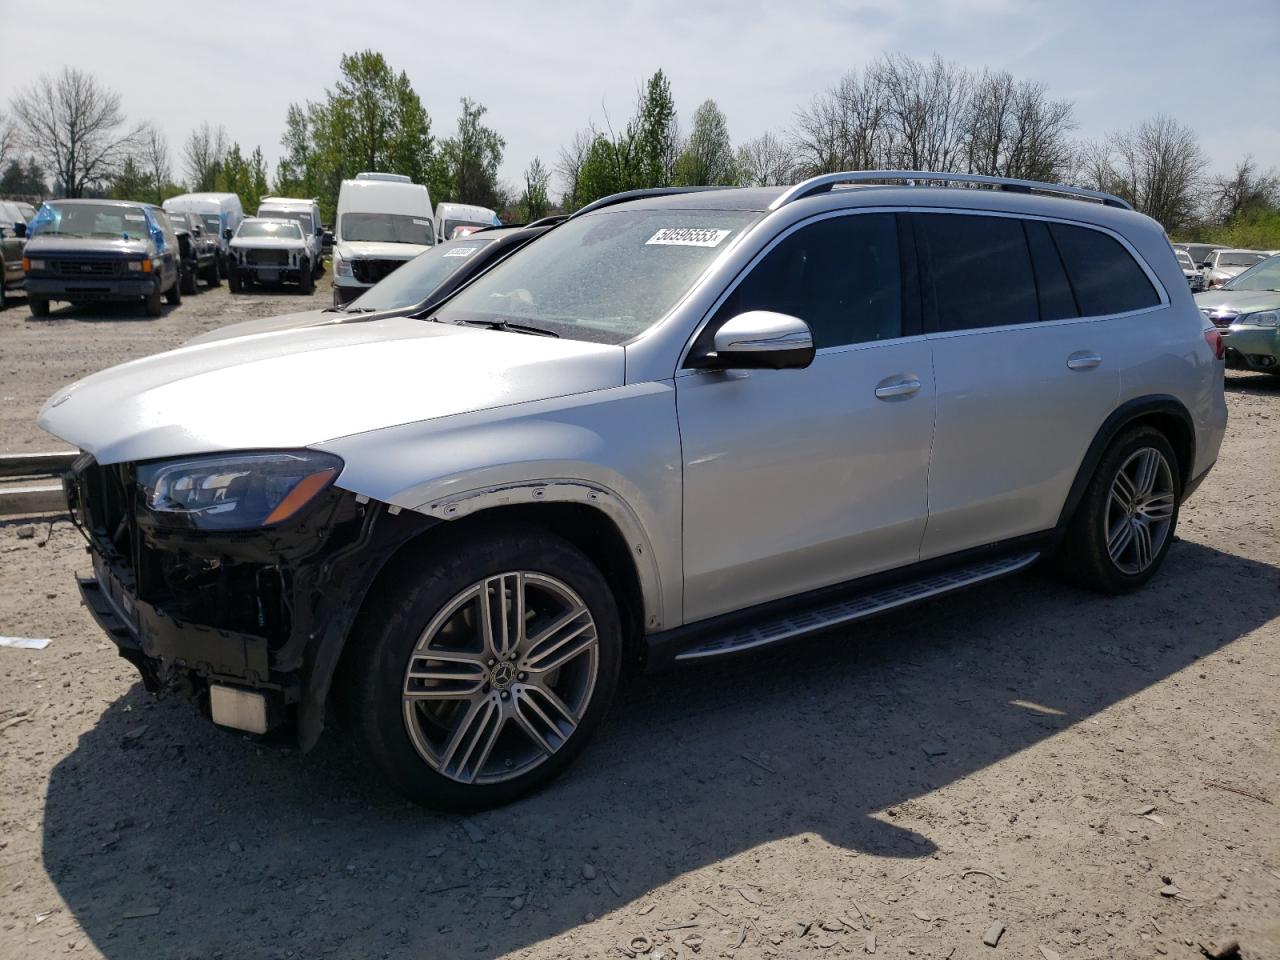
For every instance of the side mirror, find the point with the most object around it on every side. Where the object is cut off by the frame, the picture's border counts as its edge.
(760, 340)
(228, 233)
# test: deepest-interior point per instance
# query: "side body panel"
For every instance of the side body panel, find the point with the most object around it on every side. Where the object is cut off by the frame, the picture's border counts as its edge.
(617, 450)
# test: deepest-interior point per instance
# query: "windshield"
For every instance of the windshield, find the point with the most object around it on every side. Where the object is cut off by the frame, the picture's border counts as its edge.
(1200, 251)
(419, 278)
(1264, 276)
(1184, 259)
(211, 222)
(90, 220)
(605, 277)
(450, 227)
(1239, 259)
(269, 228)
(303, 220)
(386, 228)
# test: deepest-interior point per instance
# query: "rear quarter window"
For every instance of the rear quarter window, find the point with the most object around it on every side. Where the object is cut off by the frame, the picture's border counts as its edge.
(1104, 276)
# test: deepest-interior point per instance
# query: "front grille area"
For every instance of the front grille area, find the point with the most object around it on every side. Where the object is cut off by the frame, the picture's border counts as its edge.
(102, 503)
(267, 258)
(371, 271)
(1223, 319)
(86, 268)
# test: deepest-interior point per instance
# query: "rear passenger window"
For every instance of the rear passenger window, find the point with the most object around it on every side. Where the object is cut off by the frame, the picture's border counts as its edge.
(1105, 277)
(1056, 300)
(979, 271)
(841, 276)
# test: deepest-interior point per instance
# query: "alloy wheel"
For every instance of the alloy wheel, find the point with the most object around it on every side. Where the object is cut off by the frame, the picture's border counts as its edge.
(501, 677)
(1139, 514)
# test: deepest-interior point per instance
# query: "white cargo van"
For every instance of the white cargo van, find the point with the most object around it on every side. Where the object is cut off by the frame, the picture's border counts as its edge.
(451, 216)
(306, 214)
(383, 220)
(220, 213)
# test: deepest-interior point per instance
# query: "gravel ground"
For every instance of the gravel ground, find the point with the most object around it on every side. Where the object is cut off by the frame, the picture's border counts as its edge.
(1098, 776)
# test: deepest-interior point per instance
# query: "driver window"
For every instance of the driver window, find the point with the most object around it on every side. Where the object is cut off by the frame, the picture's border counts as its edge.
(841, 276)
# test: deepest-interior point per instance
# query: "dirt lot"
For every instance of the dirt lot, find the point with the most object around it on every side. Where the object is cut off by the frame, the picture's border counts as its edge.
(1101, 776)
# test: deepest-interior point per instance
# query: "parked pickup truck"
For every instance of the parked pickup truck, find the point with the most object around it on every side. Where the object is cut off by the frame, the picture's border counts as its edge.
(94, 250)
(198, 249)
(269, 250)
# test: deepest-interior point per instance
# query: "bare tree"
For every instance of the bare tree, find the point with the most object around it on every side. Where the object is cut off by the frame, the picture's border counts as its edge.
(569, 164)
(926, 106)
(204, 154)
(766, 161)
(8, 139)
(76, 127)
(1245, 190)
(843, 128)
(1016, 130)
(1159, 168)
(153, 158)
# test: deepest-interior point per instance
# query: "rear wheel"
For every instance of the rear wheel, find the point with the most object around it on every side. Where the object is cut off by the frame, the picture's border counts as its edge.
(1124, 526)
(486, 669)
(173, 296)
(189, 281)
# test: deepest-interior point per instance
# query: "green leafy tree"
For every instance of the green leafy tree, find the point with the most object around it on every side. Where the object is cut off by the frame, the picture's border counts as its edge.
(244, 176)
(19, 180)
(534, 202)
(653, 134)
(707, 157)
(605, 168)
(131, 182)
(471, 159)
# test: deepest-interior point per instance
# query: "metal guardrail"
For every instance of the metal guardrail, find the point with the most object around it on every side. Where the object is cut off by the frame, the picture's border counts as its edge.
(41, 489)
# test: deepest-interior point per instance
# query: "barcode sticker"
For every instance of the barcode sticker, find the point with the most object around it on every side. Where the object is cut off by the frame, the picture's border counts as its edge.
(688, 237)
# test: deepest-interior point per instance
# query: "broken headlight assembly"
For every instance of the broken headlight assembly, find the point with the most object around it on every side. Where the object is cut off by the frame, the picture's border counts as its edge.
(234, 491)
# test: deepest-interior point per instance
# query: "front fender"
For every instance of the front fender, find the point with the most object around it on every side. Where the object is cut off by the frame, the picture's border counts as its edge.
(617, 450)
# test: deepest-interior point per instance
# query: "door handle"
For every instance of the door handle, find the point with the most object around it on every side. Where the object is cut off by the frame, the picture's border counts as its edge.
(1083, 360)
(897, 388)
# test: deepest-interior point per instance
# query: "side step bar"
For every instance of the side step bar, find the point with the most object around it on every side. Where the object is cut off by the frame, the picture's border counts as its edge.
(796, 623)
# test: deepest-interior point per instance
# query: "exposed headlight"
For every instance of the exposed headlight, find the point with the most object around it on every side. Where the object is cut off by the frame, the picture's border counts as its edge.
(1264, 318)
(139, 265)
(234, 491)
(341, 268)
(32, 264)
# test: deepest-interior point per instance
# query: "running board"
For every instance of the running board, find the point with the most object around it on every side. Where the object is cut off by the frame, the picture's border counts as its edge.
(799, 622)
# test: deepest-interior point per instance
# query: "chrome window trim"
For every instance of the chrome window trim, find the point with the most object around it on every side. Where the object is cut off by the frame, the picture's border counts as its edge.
(1161, 292)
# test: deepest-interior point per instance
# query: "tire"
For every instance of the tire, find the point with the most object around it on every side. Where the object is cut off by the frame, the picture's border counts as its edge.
(173, 296)
(4, 294)
(317, 271)
(39, 306)
(188, 283)
(1116, 543)
(234, 281)
(152, 304)
(306, 279)
(489, 709)
(211, 276)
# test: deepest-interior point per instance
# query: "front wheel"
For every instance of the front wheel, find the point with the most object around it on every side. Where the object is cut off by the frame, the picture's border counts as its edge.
(39, 306)
(233, 280)
(189, 282)
(1124, 526)
(173, 296)
(152, 303)
(487, 668)
(306, 279)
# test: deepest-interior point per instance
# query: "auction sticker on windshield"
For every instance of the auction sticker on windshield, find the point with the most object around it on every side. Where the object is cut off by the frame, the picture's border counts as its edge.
(460, 252)
(688, 237)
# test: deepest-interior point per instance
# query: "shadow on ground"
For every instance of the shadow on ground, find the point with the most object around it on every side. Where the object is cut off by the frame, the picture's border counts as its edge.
(249, 850)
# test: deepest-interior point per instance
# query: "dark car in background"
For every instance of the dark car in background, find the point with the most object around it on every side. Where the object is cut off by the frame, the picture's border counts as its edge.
(82, 251)
(197, 248)
(13, 237)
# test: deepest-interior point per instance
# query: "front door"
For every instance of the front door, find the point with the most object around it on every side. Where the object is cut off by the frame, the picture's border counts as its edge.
(798, 479)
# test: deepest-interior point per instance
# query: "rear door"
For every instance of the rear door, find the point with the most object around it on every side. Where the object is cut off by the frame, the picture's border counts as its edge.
(1022, 315)
(798, 479)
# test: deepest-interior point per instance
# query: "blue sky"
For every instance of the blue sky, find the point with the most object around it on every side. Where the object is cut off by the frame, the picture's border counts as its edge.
(544, 69)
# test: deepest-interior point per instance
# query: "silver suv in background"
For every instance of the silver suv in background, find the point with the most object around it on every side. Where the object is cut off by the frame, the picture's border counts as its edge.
(671, 429)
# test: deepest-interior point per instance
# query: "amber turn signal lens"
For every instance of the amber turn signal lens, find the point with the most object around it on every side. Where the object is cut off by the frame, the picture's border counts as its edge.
(301, 495)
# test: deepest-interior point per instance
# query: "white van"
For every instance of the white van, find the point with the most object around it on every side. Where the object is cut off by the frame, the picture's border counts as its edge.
(220, 213)
(383, 220)
(451, 216)
(306, 214)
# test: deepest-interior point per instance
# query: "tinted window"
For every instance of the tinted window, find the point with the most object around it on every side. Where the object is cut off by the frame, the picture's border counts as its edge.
(841, 276)
(1105, 278)
(979, 271)
(1056, 300)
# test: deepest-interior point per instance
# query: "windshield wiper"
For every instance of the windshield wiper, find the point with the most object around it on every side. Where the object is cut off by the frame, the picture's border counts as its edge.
(506, 326)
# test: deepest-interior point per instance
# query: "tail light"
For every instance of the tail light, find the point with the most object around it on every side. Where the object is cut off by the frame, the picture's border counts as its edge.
(1214, 339)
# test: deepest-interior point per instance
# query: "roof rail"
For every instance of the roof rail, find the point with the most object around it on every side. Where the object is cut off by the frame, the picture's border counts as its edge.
(626, 195)
(823, 183)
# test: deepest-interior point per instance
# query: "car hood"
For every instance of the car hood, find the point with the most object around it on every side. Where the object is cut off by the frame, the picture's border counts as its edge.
(351, 249)
(1238, 301)
(267, 243)
(45, 245)
(289, 321)
(303, 387)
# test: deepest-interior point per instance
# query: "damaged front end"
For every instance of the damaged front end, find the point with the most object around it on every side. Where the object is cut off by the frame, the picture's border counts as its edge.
(234, 579)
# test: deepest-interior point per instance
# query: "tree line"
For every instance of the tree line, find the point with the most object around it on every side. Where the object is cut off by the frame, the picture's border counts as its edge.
(896, 112)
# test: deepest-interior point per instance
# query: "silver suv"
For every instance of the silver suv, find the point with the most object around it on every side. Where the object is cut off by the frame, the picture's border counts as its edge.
(672, 428)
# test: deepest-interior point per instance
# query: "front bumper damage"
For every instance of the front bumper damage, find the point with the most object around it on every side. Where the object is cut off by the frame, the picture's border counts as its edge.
(264, 612)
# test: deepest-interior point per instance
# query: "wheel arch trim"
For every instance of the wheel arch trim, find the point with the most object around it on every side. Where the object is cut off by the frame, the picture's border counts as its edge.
(1127, 413)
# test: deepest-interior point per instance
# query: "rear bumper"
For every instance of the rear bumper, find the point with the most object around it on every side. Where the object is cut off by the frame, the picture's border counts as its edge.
(104, 288)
